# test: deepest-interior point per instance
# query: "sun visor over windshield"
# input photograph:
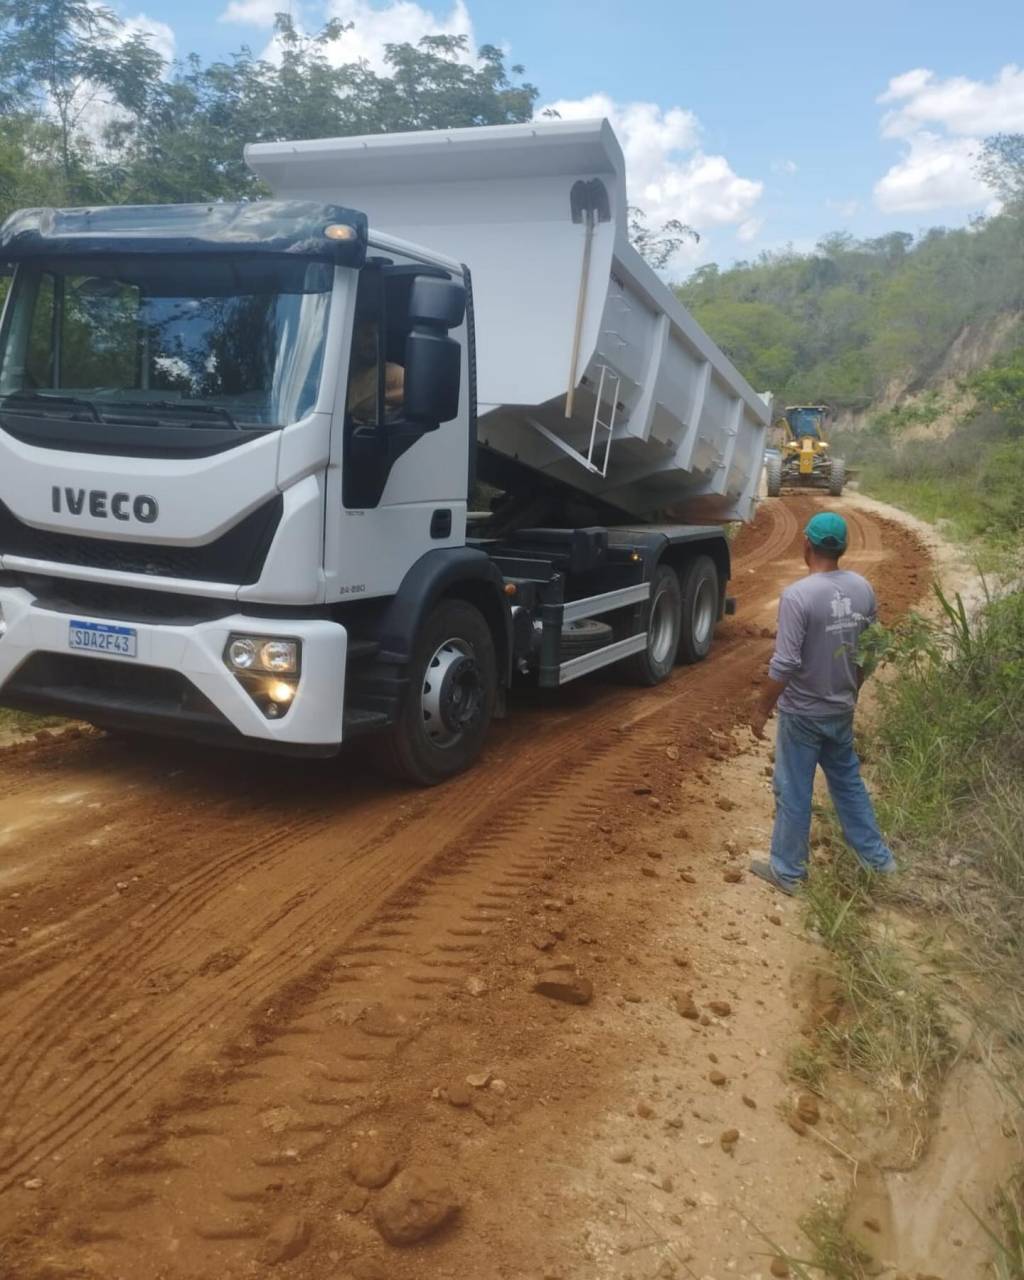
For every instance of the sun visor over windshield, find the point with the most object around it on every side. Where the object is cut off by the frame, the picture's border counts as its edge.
(303, 228)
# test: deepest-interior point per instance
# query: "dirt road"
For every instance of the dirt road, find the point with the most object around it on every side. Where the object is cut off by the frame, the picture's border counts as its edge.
(213, 969)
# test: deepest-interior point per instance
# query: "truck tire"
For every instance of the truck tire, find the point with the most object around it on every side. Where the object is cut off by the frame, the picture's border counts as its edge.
(773, 477)
(584, 636)
(664, 609)
(447, 709)
(700, 596)
(837, 477)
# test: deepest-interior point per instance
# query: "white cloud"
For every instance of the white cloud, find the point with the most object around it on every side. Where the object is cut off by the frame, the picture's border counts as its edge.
(749, 230)
(941, 124)
(668, 173)
(936, 172)
(252, 13)
(161, 36)
(961, 107)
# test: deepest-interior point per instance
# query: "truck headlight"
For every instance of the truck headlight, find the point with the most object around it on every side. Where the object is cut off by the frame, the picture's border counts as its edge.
(263, 653)
(242, 653)
(280, 656)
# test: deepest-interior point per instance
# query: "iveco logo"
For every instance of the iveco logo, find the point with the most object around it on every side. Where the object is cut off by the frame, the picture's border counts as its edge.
(103, 506)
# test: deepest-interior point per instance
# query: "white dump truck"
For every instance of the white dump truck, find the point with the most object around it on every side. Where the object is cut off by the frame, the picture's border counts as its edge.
(353, 459)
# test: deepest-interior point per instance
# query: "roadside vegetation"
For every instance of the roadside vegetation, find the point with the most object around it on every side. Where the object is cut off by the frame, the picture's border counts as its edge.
(946, 752)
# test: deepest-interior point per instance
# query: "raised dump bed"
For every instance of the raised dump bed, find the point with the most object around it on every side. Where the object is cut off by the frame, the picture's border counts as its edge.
(589, 369)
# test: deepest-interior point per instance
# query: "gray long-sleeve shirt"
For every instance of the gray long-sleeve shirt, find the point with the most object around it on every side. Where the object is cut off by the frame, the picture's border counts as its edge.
(821, 619)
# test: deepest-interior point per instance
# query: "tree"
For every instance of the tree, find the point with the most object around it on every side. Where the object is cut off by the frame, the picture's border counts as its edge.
(189, 143)
(658, 245)
(1001, 167)
(1000, 389)
(62, 59)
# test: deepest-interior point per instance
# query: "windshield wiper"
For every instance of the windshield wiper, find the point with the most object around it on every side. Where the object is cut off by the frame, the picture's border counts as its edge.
(179, 406)
(38, 398)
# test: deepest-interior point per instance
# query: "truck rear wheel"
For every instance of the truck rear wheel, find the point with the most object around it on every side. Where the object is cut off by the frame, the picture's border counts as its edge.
(453, 685)
(654, 664)
(700, 591)
(837, 477)
(773, 476)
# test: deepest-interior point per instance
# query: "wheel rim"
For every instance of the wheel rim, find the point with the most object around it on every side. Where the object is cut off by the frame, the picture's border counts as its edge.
(703, 613)
(662, 629)
(451, 699)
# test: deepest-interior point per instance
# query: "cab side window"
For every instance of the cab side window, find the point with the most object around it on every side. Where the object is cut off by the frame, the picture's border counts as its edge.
(365, 390)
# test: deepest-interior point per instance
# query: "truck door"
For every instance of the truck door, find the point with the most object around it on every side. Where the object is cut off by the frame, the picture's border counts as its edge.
(401, 488)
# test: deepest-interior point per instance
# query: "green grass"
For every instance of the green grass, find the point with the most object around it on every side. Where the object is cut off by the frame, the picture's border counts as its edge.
(892, 1032)
(947, 747)
(834, 1252)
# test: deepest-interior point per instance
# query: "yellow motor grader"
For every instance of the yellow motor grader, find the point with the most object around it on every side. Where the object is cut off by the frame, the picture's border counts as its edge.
(804, 458)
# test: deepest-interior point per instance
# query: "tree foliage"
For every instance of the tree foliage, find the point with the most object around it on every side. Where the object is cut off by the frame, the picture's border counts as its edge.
(63, 61)
(93, 114)
(1001, 166)
(658, 245)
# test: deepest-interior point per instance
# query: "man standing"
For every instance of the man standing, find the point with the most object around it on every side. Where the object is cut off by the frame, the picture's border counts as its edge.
(814, 678)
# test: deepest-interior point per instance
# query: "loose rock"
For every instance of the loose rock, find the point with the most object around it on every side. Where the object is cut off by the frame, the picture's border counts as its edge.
(476, 986)
(725, 804)
(721, 1008)
(729, 1138)
(732, 877)
(418, 1203)
(622, 1155)
(716, 1078)
(561, 984)
(807, 1108)
(779, 1267)
(371, 1165)
(285, 1240)
(479, 1079)
(354, 1200)
(685, 1006)
(458, 1094)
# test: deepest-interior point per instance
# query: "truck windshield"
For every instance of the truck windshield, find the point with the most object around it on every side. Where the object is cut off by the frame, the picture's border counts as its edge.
(237, 341)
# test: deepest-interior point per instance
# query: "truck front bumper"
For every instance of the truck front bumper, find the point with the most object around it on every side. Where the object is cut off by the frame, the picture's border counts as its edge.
(178, 683)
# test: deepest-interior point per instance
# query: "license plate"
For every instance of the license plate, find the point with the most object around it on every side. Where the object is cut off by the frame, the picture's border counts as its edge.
(101, 637)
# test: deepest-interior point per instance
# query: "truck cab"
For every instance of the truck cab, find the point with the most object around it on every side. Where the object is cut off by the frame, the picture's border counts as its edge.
(238, 444)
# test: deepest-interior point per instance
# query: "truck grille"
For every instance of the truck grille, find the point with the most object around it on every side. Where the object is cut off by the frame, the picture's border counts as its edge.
(237, 556)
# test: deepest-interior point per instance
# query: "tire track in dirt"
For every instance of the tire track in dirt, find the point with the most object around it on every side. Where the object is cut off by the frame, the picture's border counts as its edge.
(136, 1060)
(210, 1176)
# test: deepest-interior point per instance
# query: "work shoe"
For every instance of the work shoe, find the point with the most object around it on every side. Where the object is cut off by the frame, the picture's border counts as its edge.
(765, 872)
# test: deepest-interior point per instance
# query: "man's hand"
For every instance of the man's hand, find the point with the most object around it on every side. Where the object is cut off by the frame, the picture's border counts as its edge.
(765, 705)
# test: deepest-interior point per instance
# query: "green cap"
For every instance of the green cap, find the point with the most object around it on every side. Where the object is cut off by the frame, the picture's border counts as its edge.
(827, 531)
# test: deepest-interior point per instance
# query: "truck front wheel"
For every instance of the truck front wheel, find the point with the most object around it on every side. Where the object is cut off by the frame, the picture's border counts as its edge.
(447, 709)
(700, 609)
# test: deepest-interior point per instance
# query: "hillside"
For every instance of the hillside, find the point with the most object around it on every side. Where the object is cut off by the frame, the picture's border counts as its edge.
(918, 344)
(859, 323)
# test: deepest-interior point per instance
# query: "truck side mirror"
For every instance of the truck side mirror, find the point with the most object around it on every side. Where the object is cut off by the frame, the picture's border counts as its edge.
(433, 360)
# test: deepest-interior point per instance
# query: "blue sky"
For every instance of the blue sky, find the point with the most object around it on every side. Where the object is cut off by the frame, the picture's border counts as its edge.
(760, 124)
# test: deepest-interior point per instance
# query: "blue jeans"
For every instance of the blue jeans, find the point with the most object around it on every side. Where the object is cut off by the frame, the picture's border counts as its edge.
(804, 742)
